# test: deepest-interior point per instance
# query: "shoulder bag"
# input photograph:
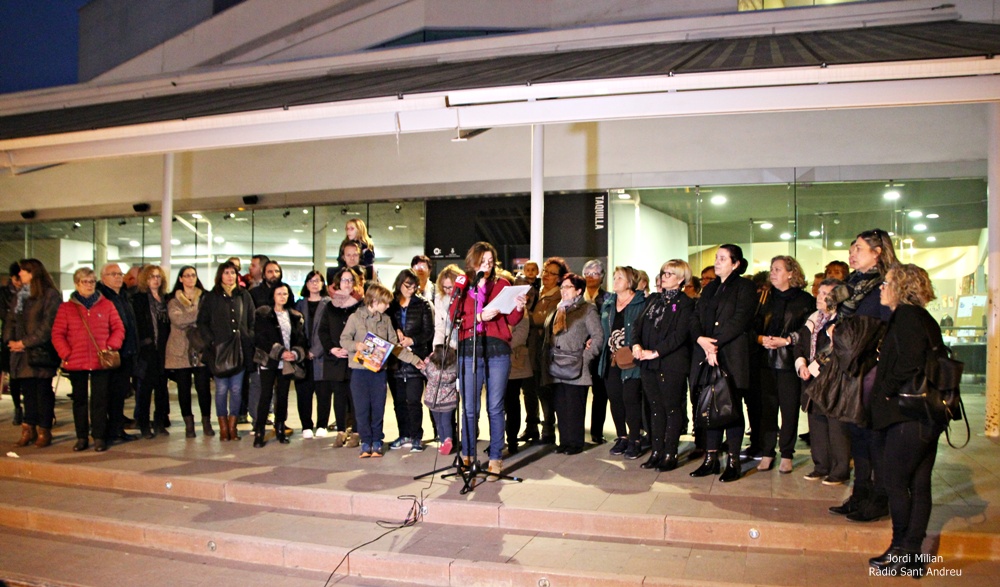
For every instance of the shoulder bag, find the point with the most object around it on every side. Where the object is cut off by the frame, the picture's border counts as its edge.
(106, 358)
(227, 356)
(43, 356)
(934, 395)
(565, 365)
(715, 398)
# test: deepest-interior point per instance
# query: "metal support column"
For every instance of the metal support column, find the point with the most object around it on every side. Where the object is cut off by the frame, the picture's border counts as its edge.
(992, 422)
(537, 192)
(167, 217)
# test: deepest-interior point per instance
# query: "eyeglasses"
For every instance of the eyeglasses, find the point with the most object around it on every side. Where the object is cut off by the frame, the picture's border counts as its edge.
(592, 274)
(186, 275)
(88, 281)
(156, 277)
(447, 288)
(346, 280)
(553, 273)
(115, 274)
(409, 285)
(316, 280)
(567, 287)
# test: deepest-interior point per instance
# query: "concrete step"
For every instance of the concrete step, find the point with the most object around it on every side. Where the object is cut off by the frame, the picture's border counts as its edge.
(309, 544)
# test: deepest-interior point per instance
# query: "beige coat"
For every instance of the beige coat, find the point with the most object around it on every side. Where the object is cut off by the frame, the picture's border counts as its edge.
(183, 317)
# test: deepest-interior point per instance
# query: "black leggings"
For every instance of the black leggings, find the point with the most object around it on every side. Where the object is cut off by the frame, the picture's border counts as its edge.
(343, 405)
(909, 450)
(406, 396)
(202, 385)
(272, 382)
(626, 403)
(305, 390)
(785, 395)
(668, 418)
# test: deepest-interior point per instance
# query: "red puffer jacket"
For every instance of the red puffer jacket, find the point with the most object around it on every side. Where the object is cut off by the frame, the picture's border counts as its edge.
(69, 334)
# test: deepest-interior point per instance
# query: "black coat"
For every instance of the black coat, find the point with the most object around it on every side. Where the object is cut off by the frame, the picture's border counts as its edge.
(665, 328)
(419, 326)
(152, 340)
(331, 326)
(912, 334)
(837, 391)
(123, 303)
(724, 312)
(268, 340)
(782, 314)
(221, 316)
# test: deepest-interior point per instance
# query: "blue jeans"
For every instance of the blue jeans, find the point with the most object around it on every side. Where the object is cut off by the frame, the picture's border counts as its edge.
(443, 422)
(368, 390)
(494, 374)
(228, 394)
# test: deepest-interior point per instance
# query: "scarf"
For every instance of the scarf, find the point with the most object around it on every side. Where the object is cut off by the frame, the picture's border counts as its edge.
(342, 300)
(87, 302)
(559, 323)
(158, 311)
(229, 289)
(22, 294)
(657, 308)
(183, 299)
(821, 323)
(861, 284)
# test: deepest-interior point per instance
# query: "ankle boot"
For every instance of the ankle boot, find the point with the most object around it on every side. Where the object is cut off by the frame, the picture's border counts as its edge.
(189, 427)
(44, 437)
(28, 435)
(160, 427)
(206, 426)
(279, 432)
(145, 431)
(258, 439)
(669, 463)
(710, 466)
(654, 460)
(733, 469)
(223, 429)
(234, 434)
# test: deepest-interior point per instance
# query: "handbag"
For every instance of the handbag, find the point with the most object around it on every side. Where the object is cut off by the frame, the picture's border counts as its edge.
(715, 399)
(934, 394)
(43, 356)
(564, 365)
(624, 359)
(106, 358)
(227, 357)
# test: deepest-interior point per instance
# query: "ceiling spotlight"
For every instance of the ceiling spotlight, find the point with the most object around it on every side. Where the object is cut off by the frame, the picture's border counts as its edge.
(133, 243)
(390, 227)
(232, 215)
(333, 230)
(175, 241)
(932, 239)
(891, 233)
(219, 240)
(919, 227)
(814, 233)
(933, 216)
(891, 195)
(915, 214)
(305, 210)
(907, 241)
(398, 208)
(785, 236)
(623, 195)
(718, 200)
(150, 220)
(196, 216)
(838, 244)
(766, 225)
(286, 214)
(77, 225)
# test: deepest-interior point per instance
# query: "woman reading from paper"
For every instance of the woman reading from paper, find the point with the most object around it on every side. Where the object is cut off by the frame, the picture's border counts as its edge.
(492, 331)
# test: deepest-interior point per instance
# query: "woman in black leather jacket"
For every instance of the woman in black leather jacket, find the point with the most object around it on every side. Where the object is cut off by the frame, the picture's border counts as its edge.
(777, 323)
(720, 329)
(280, 342)
(153, 329)
(413, 319)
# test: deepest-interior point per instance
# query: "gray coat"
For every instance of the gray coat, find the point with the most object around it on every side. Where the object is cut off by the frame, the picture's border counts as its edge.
(582, 324)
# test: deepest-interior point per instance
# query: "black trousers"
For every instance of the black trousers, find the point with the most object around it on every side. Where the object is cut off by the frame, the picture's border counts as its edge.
(571, 407)
(343, 405)
(512, 408)
(867, 463)
(272, 384)
(785, 396)
(39, 401)
(909, 450)
(406, 395)
(598, 404)
(96, 409)
(734, 432)
(305, 390)
(760, 378)
(532, 406)
(152, 386)
(830, 446)
(202, 385)
(626, 403)
(667, 393)
(119, 383)
(14, 389)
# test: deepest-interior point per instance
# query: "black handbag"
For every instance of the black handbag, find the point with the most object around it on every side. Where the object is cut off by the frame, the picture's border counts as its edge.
(565, 365)
(43, 356)
(227, 357)
(934, 394)
(715, 398)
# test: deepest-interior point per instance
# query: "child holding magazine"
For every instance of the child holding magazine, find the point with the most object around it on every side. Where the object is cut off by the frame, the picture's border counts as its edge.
(441, 393)
(368, 378)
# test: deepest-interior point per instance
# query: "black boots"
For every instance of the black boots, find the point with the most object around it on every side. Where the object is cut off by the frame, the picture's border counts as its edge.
(733, 469)
(279, 432)
(654, 460)
(669, 463)
(710, 466)
(189, 427)
(206, 426)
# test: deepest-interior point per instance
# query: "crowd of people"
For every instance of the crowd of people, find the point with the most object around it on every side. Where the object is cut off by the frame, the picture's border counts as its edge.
(837, 354)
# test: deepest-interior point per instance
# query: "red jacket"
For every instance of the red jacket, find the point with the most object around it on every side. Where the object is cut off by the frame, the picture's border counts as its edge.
(69, 335)
(498, 327)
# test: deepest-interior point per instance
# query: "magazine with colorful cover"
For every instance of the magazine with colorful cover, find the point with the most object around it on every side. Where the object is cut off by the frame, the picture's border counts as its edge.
(375, 354)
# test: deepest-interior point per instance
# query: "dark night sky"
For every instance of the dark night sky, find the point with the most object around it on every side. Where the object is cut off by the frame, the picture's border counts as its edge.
(38, 43)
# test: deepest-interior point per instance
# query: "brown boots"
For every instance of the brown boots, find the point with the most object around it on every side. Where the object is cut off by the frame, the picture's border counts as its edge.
(223, 429)
(28, 435)
(44, 437)
(234, 434)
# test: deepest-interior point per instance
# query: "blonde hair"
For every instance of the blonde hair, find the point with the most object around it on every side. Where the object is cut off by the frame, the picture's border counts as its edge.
(82, 272)
(142, 281)
(362, 229)
(798, 279)
(911, 285)
(377, 293)
(678, 265)
(450, 272)
(630, 275)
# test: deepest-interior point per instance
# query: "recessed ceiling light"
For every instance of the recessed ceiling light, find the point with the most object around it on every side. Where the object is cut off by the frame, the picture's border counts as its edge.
(305, 210)
(390, 228)
(915, 214)
(932, 239)
(891, 233)
(919, 227)
(785, 236)
(133, 243)
(624, 196)
(838, 244)
(298, 230)
(718, 200)
(175, 241)
(219, 240)
(150, 220)
(196, 216)
(814, 233)
(907, 241)
(891, 195)
(334, 230)
(766, 225)
(932, 216)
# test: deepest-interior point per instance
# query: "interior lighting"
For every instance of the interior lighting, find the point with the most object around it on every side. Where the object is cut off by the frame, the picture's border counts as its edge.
(766, 226)
(814, 233)
(297, 230)
(907, 241)
(920, 227)
(196, 216)
(624, 196)
(333, 230)
(915, 214)
(305, 210)
(219, 240)
(175, 241)
(718, 200)
(785, 236)
(891, 195)
(133, 243)
(933, 216)
(390, 227)
(293, 241)
(150, 220)
(931, 239)
(838, 244)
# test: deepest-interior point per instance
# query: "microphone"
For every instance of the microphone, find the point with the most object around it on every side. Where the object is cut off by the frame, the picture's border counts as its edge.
(480, 276)
(461, 282)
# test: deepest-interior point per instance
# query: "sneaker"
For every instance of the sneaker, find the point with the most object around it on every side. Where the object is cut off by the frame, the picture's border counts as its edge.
(619, 447)
(400, 443)
(307, 433)
(377, 450)
(320, 433)
(634, 450)
(445, 448)
(832, 481)
(417, 446)
(814, 476)
(366, 450)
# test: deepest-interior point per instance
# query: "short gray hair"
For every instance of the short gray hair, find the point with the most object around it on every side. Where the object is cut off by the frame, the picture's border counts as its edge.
(593, 264)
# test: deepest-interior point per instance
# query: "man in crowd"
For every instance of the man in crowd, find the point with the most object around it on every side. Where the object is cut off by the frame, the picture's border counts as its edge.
(707, 275)
(256, 274)
(112, 286)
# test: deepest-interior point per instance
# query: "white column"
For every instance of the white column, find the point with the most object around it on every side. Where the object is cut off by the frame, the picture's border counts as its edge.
(167, 216)
(992, 423)
(321, 224)
(537, 192)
